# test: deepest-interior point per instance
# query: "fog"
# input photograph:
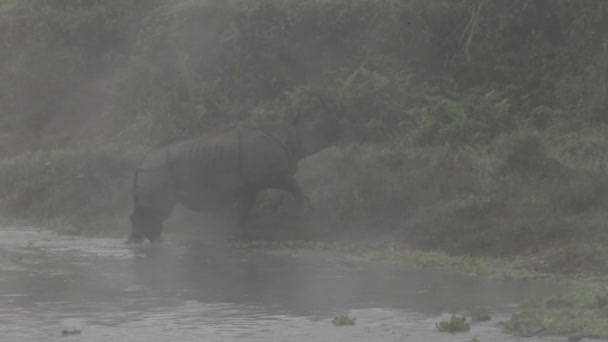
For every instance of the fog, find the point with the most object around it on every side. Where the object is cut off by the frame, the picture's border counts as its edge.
(275, 164)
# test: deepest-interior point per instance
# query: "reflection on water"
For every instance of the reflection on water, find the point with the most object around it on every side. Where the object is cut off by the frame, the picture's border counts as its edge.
(174, 293)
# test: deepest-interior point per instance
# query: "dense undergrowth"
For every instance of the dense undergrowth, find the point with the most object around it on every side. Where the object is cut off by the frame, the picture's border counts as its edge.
(475, 127)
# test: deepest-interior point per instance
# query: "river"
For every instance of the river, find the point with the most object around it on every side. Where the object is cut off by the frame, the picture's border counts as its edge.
(169, 292)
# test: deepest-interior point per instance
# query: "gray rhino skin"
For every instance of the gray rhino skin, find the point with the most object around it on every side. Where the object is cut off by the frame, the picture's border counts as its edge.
(216, 171)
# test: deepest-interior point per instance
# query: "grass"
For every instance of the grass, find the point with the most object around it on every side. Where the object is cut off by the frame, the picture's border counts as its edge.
(477, 266)
(71, 190)
(583, 312)
(455, 324)
(343, 319)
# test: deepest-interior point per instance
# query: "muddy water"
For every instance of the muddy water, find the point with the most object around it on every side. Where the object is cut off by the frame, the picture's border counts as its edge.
(112, 292)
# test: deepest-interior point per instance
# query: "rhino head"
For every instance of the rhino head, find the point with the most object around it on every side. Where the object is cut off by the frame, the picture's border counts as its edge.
(314, 136)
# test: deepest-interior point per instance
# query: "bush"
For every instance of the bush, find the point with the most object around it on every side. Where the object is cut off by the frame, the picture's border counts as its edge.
(455, 324)
(77, 185)
(477, 127)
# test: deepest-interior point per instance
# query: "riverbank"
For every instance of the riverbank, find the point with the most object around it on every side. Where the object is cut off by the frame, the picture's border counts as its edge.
(473, 151)
(470, 151)
(104, 288)
(469, 211)
(579, 313)
(480, 202)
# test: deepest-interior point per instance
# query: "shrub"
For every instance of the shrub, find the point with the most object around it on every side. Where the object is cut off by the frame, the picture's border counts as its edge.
(455, 324)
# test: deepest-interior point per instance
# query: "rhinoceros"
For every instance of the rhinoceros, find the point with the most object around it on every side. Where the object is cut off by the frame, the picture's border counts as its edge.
(224, 170)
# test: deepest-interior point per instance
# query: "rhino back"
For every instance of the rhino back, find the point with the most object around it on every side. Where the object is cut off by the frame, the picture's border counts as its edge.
(205, 171)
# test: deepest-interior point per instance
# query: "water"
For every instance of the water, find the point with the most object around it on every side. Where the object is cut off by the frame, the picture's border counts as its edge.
(112, 292)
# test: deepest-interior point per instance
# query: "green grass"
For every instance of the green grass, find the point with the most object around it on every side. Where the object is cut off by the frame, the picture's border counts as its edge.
(478, 266)
(583, 312)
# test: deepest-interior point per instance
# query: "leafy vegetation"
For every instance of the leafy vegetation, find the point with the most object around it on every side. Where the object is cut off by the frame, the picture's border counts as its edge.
(579, 314)
(68, 332)
(478, 266)
(475, 127)
(455, 324)
(343, 319)
(480, 315)
(472, 265)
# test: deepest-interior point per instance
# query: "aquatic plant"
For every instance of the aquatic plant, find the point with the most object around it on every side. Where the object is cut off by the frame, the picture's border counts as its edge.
(580, 313)
(455, 324)
(68, 332)
(480, 315)
(558, 301)
(344, 319)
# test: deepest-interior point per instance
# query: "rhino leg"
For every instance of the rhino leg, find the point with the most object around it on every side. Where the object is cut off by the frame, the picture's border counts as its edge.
(147, 223)
(292, 186)
(139, 218)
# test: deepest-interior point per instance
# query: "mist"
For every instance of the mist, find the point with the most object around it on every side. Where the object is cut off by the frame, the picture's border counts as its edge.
(470, 137)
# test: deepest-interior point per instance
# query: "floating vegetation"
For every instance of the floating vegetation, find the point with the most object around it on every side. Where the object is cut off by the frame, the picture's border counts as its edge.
(480, 315)
(455, 324)
(343, 319)
(558, 302)
(69, 332)
(478, 266)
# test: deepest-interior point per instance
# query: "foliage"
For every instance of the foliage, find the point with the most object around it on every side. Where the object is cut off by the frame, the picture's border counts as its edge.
(479, 266)
(581, 313)
(476, 127)
(343, 319)
(68, 332)
(455, 324)
(189, 65)
(60, 183)
(480, 315)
